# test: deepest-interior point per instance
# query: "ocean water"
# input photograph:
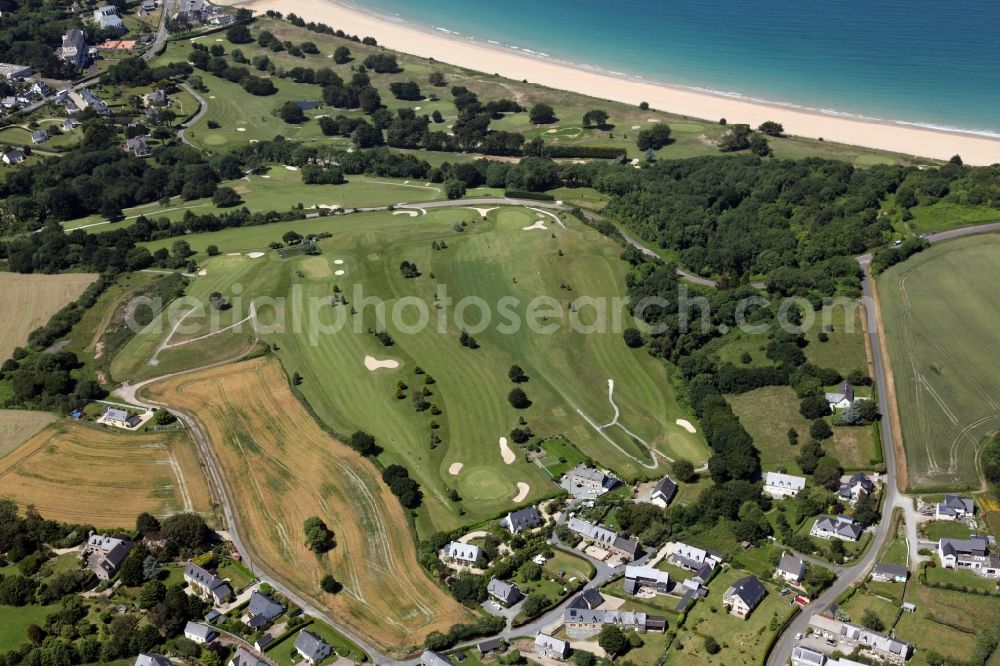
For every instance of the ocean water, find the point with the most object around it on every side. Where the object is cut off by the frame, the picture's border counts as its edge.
(915, 61)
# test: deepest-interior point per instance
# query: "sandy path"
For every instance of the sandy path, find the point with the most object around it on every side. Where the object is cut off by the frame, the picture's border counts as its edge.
(522, 491)
(508, 455)
(684, 423)
(374, 364)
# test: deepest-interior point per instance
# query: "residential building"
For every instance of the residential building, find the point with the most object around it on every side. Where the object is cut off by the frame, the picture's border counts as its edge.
(489, 646)
(842, 397)
(207, 583)
(244, 657)
(11, 72)
(157, 98)
(954, 508)
(972, 554)
(70, 124)
(261, 643)
(803, 656)
(602, 537)
(107, 18)
(663, 492)
(880, 647)
(780, 486)
(522, 519)
(431, 658)
(589, 599)
(638, 579)
(554, 648)
(152, 659)
(39, 136)
(199, 633)
(791, 568)
(104, 554)
(40, 89)
(10, 103)
(312, 648)
(588, 483)
(702, 562)
(121, 418)
(854, 487)
(462, 553)
(261, 610)
(94, 102)
(506, 593)
(12, 157)
(138, 146)
(74, 48)
(841, 527)
(583, 623)
(744, 596)
(690, 590)
(148, 5)
(890, 573)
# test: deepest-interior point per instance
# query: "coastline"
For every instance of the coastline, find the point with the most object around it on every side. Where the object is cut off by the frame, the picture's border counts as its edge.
(483, 56)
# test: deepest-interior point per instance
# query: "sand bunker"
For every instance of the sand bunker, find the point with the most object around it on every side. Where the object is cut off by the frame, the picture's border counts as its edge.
(203, 272)
(291, 168)
(522, 491)
(686, 425)
(374, 364)
(411, 213)
(455, 468)
(636, 126)
(339, 262)
(652, 120)
(255, 255)
(211, 96)
(483, 212)
(241, 129)
(508, 456)
(340, 272)
(539, 224)
(232, 254)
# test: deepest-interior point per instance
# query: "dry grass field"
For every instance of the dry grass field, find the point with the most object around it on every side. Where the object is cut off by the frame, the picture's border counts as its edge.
(281, 468)
(84, 474)
(27, 302)
(18, 425)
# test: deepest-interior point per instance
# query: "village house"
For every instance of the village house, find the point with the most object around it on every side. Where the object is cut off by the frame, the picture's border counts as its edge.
(701, 562)
(39, 136)
(207, 584)
(148, 5)
(489, 646)
(152, 659)
(12, 72)
(199, 633)
(972, 554)
(638, 579)
(74, 48)
(522, 519)
(780, 486)
(462, 553)
(588, 483)
(157, 98)
(121, 418)
(551, 647)
(744, 596)
(262, 642)
(431, 658)
(791, 568)
(604, 538)
(138, 146)
(663, 492)
(589, 599)
(803, 656)
(261, 610)
(104, 554)
(841, 527)
(244, 657)
(507, 594)
(10, 103)
(70, 124)
(954, 508)
(852, 489)
(12, 157)
(311, 647)
(890, 573)
(841, 398)
(881, 647)
(108, 19)
(583, 623)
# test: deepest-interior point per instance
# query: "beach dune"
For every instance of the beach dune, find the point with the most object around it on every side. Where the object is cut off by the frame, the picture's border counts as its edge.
(481, 56)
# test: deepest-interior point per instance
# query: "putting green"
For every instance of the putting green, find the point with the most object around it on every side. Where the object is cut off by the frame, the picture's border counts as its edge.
(485, 484)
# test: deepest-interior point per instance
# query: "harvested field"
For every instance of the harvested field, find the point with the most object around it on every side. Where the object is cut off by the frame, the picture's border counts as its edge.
(84, 474)
(281, 468)
(27, 302)
(18, 425)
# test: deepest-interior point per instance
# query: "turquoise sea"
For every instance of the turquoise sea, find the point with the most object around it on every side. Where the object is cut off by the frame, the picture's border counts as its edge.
(917, 61)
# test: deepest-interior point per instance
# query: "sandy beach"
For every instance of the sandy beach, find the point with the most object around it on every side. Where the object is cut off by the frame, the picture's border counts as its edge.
(481, 56)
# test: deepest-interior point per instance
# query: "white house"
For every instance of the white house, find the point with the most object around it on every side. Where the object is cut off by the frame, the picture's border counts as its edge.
(639, 578)
(199, 633)
(780, 486)
(881, 647)
(791, 568)
(11, 71)
(744, 596)
(972, 554)
(854, 486)
(954, 508)
(841, 527)
(890, 573)
(702, 562)
(551, 647)
(244, 657)
(152, 659)
(121, 418)
(663, 492)
(841, 398)
(12, 157)
(462, 553)
(522, 519)
(312, 648)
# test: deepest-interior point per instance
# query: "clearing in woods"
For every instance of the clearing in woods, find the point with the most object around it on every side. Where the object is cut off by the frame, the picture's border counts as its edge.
(27, 302)
(85, 474)
(942, 327)
(281, 468)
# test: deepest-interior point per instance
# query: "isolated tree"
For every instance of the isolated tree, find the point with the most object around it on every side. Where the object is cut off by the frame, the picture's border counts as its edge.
(814, 406)
(363, 443)
(341, 55)
(212, 250)
(454, 188)
(820, 430)
(226, 197)
(793, 436)
(518, 399)
(771, 128)
(654, 138)
(683, 470)
(810, 456)
(239, 34)
(595, 118)
(437, 79)
(866, 511)
(542, 114)
(292, 113)
(711, 645)
(291, 237)
(534, 603)
(612, 639)
(319, 538)
(330, 585)
(633, 338)
(437, 117)
(296, 378)
(827, 473)
(871, 620)
(517, 375)
(837, 549)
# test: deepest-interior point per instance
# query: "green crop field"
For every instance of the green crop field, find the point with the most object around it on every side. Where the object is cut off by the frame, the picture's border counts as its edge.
(494, 258)
(942, 326)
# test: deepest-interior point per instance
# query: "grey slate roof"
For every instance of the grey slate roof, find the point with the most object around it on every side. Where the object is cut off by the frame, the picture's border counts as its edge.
(489, 645)
(589, 598)
(976, 545)
(892, 570)
(312, 645)
(666, 488)
(431, 658)
(522, 519)
(749, 589)
(152, 659)
(954, 505)
(244, 657)
(793, 565)
(197, 629)
(504, 591)
(263, 609)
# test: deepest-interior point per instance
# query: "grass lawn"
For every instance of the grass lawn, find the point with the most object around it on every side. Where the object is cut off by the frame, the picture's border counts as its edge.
(945, 529)
(560, 456)
(943, 345)
(860, 602)
(658, 605)
(238, 574)
(895, 552)
(959, 579)
(768, 413)
(570, 566)
(14, 623)
(945, 621)
(844, 350)
(945, 215)
(743, 641)
(284, 654)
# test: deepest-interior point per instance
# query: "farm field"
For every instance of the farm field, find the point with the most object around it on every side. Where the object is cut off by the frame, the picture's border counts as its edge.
(493, 259)
(281, 468)
(19, 425)
(27, 302)
(844, 350)
(943, 334)
(767, 414)
(63, 472)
